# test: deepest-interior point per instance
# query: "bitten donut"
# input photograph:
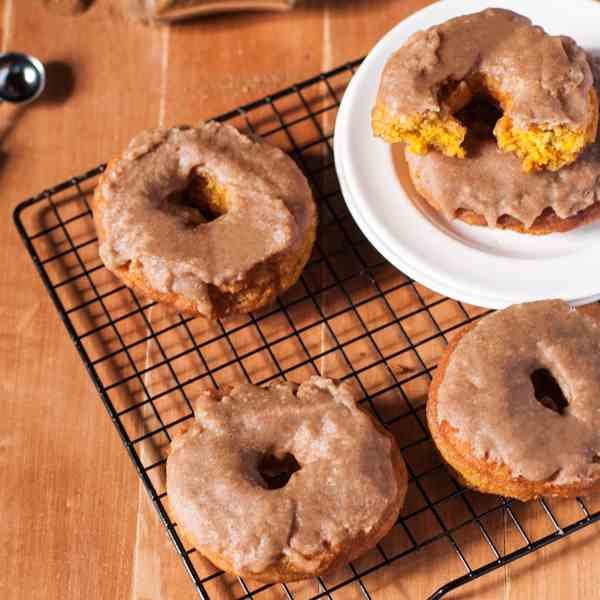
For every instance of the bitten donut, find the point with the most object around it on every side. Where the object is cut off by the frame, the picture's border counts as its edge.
(489, 188)
(542, 83)
(345, 493)
(495, 411)
(205, 219)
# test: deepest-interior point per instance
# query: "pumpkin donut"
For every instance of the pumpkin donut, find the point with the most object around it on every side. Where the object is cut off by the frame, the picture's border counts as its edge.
(542, 83)
(205, 219)
(347, 485)
(492, 412)
(490, 189)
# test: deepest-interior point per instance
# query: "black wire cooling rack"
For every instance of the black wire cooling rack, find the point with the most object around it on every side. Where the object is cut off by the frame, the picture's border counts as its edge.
(352, 315)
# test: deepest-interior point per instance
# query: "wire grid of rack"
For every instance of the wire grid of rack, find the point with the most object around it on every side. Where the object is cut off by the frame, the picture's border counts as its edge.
(352, 315)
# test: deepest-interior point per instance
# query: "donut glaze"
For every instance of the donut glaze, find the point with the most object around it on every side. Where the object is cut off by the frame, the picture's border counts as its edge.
(486, 420)
(263, 235)
(345, 497)
(542, 82)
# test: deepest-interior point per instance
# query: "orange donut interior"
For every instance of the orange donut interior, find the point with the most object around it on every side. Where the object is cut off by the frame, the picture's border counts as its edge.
(546, 146)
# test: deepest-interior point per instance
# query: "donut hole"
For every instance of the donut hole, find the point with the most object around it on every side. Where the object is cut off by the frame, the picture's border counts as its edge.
(480, 116)
(276, 469)
(548, 391)
(202, 201)
(455, 95)
(446, 130)
(207, 195)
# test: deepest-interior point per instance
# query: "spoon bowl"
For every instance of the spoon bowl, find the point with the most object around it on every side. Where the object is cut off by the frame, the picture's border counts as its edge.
(22, 78)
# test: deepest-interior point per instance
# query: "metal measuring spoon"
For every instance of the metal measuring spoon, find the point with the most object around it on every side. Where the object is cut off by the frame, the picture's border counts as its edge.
(22, 78)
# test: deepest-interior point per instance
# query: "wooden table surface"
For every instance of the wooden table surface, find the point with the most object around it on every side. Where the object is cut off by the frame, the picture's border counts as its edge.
(75, 521)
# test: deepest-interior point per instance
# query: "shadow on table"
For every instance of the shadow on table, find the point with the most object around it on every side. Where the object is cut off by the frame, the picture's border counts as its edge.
(60, 82)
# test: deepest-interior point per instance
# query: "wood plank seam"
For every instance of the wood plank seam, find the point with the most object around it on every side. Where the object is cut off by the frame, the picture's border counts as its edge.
(142, 585)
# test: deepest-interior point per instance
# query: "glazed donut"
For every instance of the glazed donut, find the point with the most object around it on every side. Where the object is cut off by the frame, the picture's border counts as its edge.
(490, 189)
(205, 219)
(491, 424)
(344, 496)
(542, 83)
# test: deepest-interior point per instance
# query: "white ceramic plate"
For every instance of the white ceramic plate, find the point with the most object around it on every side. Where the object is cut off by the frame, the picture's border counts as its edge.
(490, 268)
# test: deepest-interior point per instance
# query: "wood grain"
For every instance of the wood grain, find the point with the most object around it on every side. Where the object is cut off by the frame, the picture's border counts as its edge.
(76, 522)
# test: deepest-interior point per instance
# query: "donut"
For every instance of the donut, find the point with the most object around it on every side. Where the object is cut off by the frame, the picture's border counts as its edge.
(542, 83)
(489, 188)
(204, 219)
(514, 405)
(347, 485)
